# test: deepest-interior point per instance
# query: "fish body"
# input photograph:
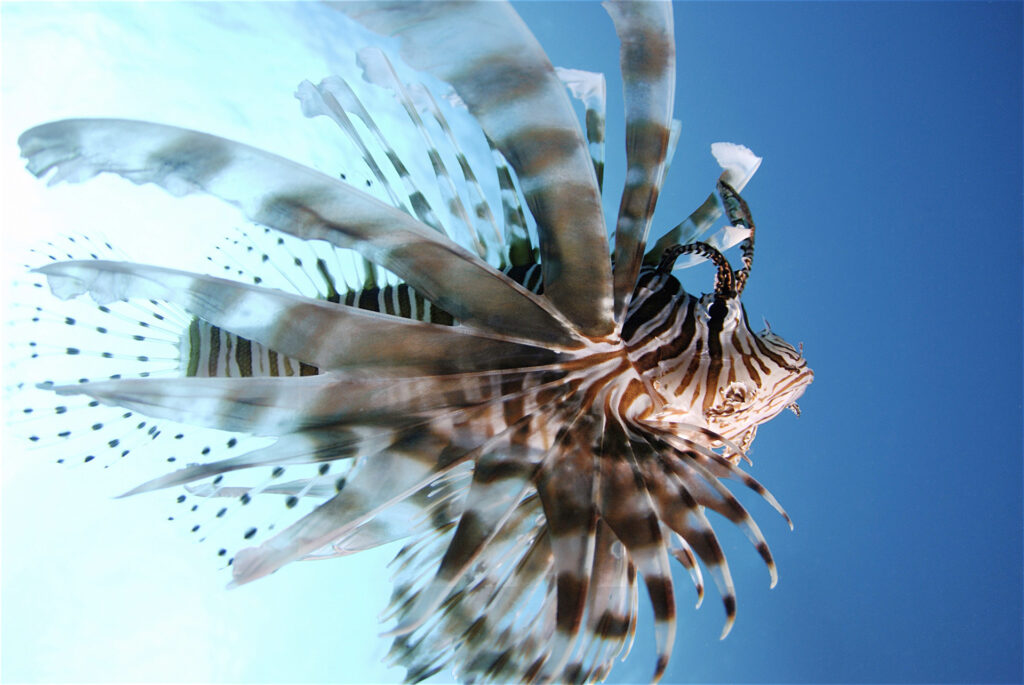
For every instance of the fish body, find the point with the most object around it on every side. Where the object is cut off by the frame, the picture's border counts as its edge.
(543, 419)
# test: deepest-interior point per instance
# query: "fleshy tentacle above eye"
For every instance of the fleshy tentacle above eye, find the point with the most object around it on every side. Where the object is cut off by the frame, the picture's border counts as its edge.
(500, 71)
(281, 194)
(648, 58)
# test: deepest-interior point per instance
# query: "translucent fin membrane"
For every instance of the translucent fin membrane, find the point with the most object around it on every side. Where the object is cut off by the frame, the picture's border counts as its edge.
(377, 69)
(589, 88)
(549, 155)
(121, 340)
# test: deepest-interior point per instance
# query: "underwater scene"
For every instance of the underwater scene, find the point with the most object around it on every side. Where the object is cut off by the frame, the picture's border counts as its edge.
(460, 306)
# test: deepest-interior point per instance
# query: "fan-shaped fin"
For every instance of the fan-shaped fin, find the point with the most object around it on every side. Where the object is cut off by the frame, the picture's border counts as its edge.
(321, 100)
(679, 510)
(334, 97)
(281, 194)
(709, 492)
(502, 74)
(377, 69)
(520, 248)
(481, 208)
(720, 467)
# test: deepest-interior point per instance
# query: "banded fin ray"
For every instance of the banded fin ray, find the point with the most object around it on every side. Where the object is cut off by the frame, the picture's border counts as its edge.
(333, 97)
(324, 334)
(322, 100)
(648, 60)
(412, 461)
(276, 405)
(498, 485)
(632, 517)
(502, 74)
(281, 194)
(481, 207)
(297, 448)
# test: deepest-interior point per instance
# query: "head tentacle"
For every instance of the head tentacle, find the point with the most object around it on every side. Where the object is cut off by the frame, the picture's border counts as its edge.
(739, 215)
(725, 279)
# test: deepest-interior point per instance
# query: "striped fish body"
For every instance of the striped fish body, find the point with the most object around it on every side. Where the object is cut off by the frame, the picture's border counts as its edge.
(544, 420)
(705, 361)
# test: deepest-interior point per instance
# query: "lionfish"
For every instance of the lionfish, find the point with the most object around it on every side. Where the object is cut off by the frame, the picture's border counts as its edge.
(544, 418)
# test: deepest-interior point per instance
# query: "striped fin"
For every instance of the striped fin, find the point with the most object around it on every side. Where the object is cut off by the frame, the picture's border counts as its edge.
(378, 69)
(681, 512)
(648, 61)
(567, 487)
(278, 405)
(531, 576)
(609, 612)
(324, 334)
(709, 492)
(683, 553)
(280, 194)
(719, 466)
(502, 74)
(629, 512)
